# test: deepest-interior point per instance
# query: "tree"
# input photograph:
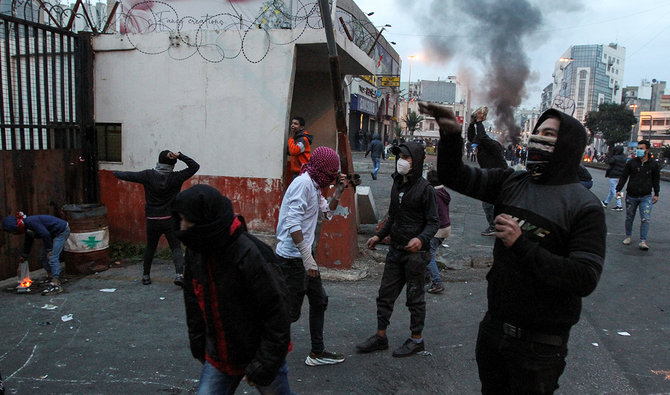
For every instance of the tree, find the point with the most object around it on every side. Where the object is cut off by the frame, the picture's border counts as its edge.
(412, 121)
(397, 132)
(614, 121)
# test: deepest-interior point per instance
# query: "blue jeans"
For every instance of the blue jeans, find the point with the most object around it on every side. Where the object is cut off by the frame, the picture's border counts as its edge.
(431, 269)
(376, 162)
(215, 382)
(52, 265)
(632, 204)
(612, 194)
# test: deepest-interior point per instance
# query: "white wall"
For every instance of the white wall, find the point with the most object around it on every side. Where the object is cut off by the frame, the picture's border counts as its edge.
(230, 116)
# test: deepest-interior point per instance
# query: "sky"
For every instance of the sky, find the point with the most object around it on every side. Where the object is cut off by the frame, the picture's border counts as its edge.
(465, 38)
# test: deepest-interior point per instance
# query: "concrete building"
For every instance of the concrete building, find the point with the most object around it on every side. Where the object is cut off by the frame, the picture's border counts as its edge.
(586, 76)
(655, 127)
(527, 119)
(646, 97)
(223, 94)
(547, 97)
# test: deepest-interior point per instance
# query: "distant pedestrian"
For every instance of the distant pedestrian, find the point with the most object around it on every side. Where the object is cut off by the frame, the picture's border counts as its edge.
(376, 151)
(161, 185)
(235, 297)
(299, 145)
(412, 223)
(53, 232)
(549, 251)
(489, 156)
(300, 210)
(642, 175)
(443, 200)
(614, 171)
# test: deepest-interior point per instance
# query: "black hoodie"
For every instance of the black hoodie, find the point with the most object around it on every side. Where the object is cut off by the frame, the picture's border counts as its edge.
(617, 163)
(235, 295)
(538, 282)
(413, 208)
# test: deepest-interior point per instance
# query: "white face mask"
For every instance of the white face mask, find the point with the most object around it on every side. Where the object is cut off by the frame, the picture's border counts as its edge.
(403, 166)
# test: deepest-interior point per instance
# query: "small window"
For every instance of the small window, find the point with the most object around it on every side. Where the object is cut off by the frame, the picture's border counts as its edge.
(617, 61)
(432, 126)
(659, 122)
(109, 142)
(644, 122)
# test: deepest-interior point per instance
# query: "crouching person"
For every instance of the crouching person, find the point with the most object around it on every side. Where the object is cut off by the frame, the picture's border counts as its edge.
(236, 306)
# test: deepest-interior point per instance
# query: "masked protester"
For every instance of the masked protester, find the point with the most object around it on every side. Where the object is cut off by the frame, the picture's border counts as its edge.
(642, 175)
(235, 297)
(412, 223)
(548, 254)
(161, 185)
(300, 209)
(53, 232)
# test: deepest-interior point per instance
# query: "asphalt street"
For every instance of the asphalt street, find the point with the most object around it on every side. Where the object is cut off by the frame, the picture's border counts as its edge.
(132, 340)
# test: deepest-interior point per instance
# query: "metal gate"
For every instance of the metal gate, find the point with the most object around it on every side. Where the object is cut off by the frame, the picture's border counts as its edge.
(47, 137)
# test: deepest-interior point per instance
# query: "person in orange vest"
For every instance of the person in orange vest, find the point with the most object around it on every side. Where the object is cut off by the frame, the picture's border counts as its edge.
(299, 146)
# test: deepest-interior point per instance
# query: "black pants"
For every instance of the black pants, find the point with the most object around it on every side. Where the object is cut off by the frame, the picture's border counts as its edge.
(300, 284)
(509, 365)
(403, 268)
(156, 228)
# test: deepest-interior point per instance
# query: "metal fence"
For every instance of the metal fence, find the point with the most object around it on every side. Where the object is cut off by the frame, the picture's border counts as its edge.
(37, 87)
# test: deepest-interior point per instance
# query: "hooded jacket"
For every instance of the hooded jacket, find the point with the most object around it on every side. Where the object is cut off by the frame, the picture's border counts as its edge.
(413, 209)
(300, 155)
(160, 187)
(538, 282)
(235, 296)
(376, 148)
(45, 227)
(617, 163)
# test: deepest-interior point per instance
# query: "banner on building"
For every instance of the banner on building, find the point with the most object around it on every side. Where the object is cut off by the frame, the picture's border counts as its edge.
(362, 104)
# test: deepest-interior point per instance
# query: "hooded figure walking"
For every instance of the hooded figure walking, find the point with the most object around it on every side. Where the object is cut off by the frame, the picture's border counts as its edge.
(161, 185)
(235, 297)
(376, 152)
(548, 254)
(412, 223)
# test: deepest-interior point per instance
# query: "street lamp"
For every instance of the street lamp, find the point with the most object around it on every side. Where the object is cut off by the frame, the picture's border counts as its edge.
(410, 74)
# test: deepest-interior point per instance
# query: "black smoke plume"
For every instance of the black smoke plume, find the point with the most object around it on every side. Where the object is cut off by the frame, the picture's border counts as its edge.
(493, 33)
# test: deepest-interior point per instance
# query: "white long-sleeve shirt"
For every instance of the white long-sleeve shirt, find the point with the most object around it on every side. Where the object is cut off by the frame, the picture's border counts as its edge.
(300, 210)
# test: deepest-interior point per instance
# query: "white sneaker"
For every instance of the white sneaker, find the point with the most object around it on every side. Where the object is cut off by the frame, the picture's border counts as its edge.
(643, 246)
(626, 241)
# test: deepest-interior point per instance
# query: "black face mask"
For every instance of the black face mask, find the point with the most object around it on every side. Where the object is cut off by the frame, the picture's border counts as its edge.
(211, 213)
(540, 149)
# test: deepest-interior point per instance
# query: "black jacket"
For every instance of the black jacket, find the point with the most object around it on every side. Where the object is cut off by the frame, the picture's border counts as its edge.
(160, 188)
(489, 151)
(376, 148)
(539, 281)
(413, 208)
(616, 164)
(641, 177)
(251, 298)
(226, 265)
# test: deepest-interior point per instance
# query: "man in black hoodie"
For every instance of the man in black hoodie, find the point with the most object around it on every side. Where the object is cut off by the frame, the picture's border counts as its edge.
(161, 185)
(614, 171)
(412, 222)
(548, 254)
(489, 156)
(235, 297)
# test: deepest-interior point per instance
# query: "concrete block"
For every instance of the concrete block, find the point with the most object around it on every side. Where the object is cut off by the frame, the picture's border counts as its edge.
(367, 210)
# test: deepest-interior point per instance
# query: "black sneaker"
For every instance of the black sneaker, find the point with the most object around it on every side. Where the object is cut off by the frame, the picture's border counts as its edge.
(146, 280)
(179, 280)
(603, 203)
(435, 288)
(408, 348)
(489, 232)
(374, 342)
(325, 358)
(617, 209)
(52, 289)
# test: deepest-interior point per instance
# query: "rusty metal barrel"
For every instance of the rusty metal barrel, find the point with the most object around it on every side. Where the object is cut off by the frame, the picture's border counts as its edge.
(87, 249)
